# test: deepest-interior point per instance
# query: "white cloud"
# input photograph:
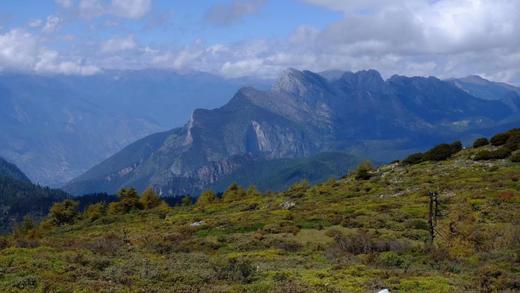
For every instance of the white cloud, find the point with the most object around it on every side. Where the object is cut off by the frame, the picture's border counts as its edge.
(64, 3)
(230, 13)
(91, 8)
(51, 24)
(22, 51)
(35, 23)
(118, 44)
(132, 9)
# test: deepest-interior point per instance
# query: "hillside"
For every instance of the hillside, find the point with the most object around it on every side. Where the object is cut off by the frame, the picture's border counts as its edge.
(364, 232)
(10, 170)
(19, 197)
(303, 115)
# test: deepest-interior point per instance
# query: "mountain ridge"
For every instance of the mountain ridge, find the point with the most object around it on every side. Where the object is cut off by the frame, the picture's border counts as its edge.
(302, 115)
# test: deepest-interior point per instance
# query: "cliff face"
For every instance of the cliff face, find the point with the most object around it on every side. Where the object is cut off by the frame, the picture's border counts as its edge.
(302, 115)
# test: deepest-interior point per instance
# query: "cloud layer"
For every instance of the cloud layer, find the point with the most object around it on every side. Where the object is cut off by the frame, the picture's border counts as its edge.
(227, 14)
(413, 37)
(22, 51)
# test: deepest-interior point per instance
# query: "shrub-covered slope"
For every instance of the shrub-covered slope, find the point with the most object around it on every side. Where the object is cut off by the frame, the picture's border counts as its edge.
(362, 233)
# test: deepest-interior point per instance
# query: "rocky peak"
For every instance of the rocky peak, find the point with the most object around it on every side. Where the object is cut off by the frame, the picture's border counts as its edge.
(299, 83)
(475, 79)
(363, 80)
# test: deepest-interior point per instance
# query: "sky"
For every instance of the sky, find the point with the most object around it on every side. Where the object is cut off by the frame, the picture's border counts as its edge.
(260, 38)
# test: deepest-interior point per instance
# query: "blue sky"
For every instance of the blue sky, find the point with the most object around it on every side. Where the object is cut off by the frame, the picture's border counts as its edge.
(179, 21)
(262, 37)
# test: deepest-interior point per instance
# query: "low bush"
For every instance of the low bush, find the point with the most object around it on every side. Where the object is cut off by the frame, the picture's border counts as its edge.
(515, 158)
(108, 244)
(94, 212)
(513, 143)
(498, 154)
(233, 269)
(207, 197)
(63, 213)
(414, 159)
(442, 152)
(392, 259)
(480, 142)
(233, 193)
(362, 242)
(363, 171)
(499, 139)
(149, 199)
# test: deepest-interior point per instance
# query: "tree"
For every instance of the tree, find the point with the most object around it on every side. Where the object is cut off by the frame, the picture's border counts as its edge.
(65, 212)
(149, 199)
(207, 197)
(129, 198)
(128, 201)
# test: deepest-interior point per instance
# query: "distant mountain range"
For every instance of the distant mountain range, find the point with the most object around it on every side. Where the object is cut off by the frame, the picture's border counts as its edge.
(56, 127)
(358, 115)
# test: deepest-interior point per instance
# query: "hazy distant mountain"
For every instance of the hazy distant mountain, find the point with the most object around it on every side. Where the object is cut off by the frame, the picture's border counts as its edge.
(304, 114)
(489, 90)
(56, 127)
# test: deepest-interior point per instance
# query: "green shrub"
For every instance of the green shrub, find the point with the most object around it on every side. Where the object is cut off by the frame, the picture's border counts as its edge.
(233, 269)
(129, 198)
(116, 208)
(392, 259)
(233, 193)
(419, 224)
(485, 155)
(480, 142)
(149, 199)
(500, 139)
(62, 213)
(414, 159)
(186, 201)
(128, 201)
(513, 143)
(515, 158)
(440, 152)
(207, 197)
(4, 243)
(94, 211)
(363, 242)
(363, 171)
(456, 147)
(298, 189)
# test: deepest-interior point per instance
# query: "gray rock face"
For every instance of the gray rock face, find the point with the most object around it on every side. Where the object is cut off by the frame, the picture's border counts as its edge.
(302, 115)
